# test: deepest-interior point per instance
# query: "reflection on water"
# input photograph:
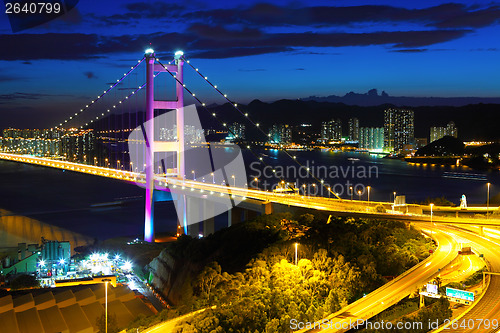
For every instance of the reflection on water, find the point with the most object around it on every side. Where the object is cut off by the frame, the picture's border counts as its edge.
(74, 201)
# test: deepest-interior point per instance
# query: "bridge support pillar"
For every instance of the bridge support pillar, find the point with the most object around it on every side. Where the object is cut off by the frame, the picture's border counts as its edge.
(268, 208)
(208, 224)
(234, 216)
(193, 215)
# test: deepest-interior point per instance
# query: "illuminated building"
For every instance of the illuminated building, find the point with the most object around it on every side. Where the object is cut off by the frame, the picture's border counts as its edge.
(371, 138)
(399, 129)
(331, 130)
(280, 134)
(236, 132)
(353, 129)
(439, 132)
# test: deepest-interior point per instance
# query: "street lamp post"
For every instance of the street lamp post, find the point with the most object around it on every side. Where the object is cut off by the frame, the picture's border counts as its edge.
(213, 178)
(194, 175)
(359, 195)
(329, 190)
(256, 182)
(106, 304)
(296, 256)
(368, 188)
(432, 205)
(488, 201)
(234, 180)
(350, 187)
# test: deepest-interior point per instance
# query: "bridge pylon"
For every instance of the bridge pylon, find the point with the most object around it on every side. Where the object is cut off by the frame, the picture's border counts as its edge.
(153, 146)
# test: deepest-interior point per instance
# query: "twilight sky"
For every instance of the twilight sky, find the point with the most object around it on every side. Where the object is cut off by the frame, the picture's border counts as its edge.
(266, 50)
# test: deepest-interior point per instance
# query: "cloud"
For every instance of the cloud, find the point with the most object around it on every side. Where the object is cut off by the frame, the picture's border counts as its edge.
(7, 78)
(449, 15)
(22, 96)
(78, 46)
(213, 43)
(90, 75)
(410, 50)
(231, 52)
(139, 11)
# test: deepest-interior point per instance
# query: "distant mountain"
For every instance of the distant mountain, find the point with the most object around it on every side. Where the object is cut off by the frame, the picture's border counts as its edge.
(372, 98)
(474, 121)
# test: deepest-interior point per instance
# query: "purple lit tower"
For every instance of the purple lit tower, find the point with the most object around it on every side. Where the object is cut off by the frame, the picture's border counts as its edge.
(151, 145)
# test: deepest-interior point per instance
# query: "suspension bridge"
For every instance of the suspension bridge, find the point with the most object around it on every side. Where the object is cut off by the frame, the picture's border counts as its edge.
(157, 155)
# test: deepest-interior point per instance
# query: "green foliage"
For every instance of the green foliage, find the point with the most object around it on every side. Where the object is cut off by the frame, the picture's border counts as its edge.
(436, 312)
(141, 322)
(112, 324)
(24, 281)
(380, 209)
(439, 201)
(474, 278)
(340, 260)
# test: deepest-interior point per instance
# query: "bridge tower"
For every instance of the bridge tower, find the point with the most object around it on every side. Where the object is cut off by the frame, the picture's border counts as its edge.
(153, 146)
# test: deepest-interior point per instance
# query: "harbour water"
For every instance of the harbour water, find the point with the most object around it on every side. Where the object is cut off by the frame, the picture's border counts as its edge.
(103, 208)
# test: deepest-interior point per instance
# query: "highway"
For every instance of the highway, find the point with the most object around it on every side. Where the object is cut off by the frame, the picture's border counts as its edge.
(395, 290)
(488, 307)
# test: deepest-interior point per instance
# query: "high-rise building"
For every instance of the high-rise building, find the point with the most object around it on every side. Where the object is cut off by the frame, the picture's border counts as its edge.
(331, 130)
(371, 138)
(438, 132)
(451, 129)
(399, 129)
(236, 132)
(280, 134)
(353, 129)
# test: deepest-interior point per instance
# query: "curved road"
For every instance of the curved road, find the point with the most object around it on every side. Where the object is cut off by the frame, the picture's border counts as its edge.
(394, 291)
(488, 307)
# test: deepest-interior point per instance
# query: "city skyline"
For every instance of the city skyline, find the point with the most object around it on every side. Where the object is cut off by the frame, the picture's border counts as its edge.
(253, 50)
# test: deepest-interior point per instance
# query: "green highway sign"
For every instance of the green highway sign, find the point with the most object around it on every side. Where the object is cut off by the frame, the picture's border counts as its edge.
(461, 294)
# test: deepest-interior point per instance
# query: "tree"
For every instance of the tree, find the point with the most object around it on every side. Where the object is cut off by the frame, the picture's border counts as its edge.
(24, 281)
(112, 324)
(208, 279)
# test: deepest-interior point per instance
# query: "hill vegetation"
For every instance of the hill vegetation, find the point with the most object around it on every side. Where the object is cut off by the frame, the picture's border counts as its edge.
(249, 273)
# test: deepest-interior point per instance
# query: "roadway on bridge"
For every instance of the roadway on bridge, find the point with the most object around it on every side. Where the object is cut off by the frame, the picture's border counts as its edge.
(341, 207)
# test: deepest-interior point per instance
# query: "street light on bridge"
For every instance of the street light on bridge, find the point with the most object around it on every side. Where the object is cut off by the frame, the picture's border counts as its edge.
(368, 188)
(359, 195)
(488, 201)
(350, 187)
(194, 175)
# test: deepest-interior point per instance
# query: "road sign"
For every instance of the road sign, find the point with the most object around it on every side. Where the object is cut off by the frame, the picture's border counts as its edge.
(461, 294)
(432, 288)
